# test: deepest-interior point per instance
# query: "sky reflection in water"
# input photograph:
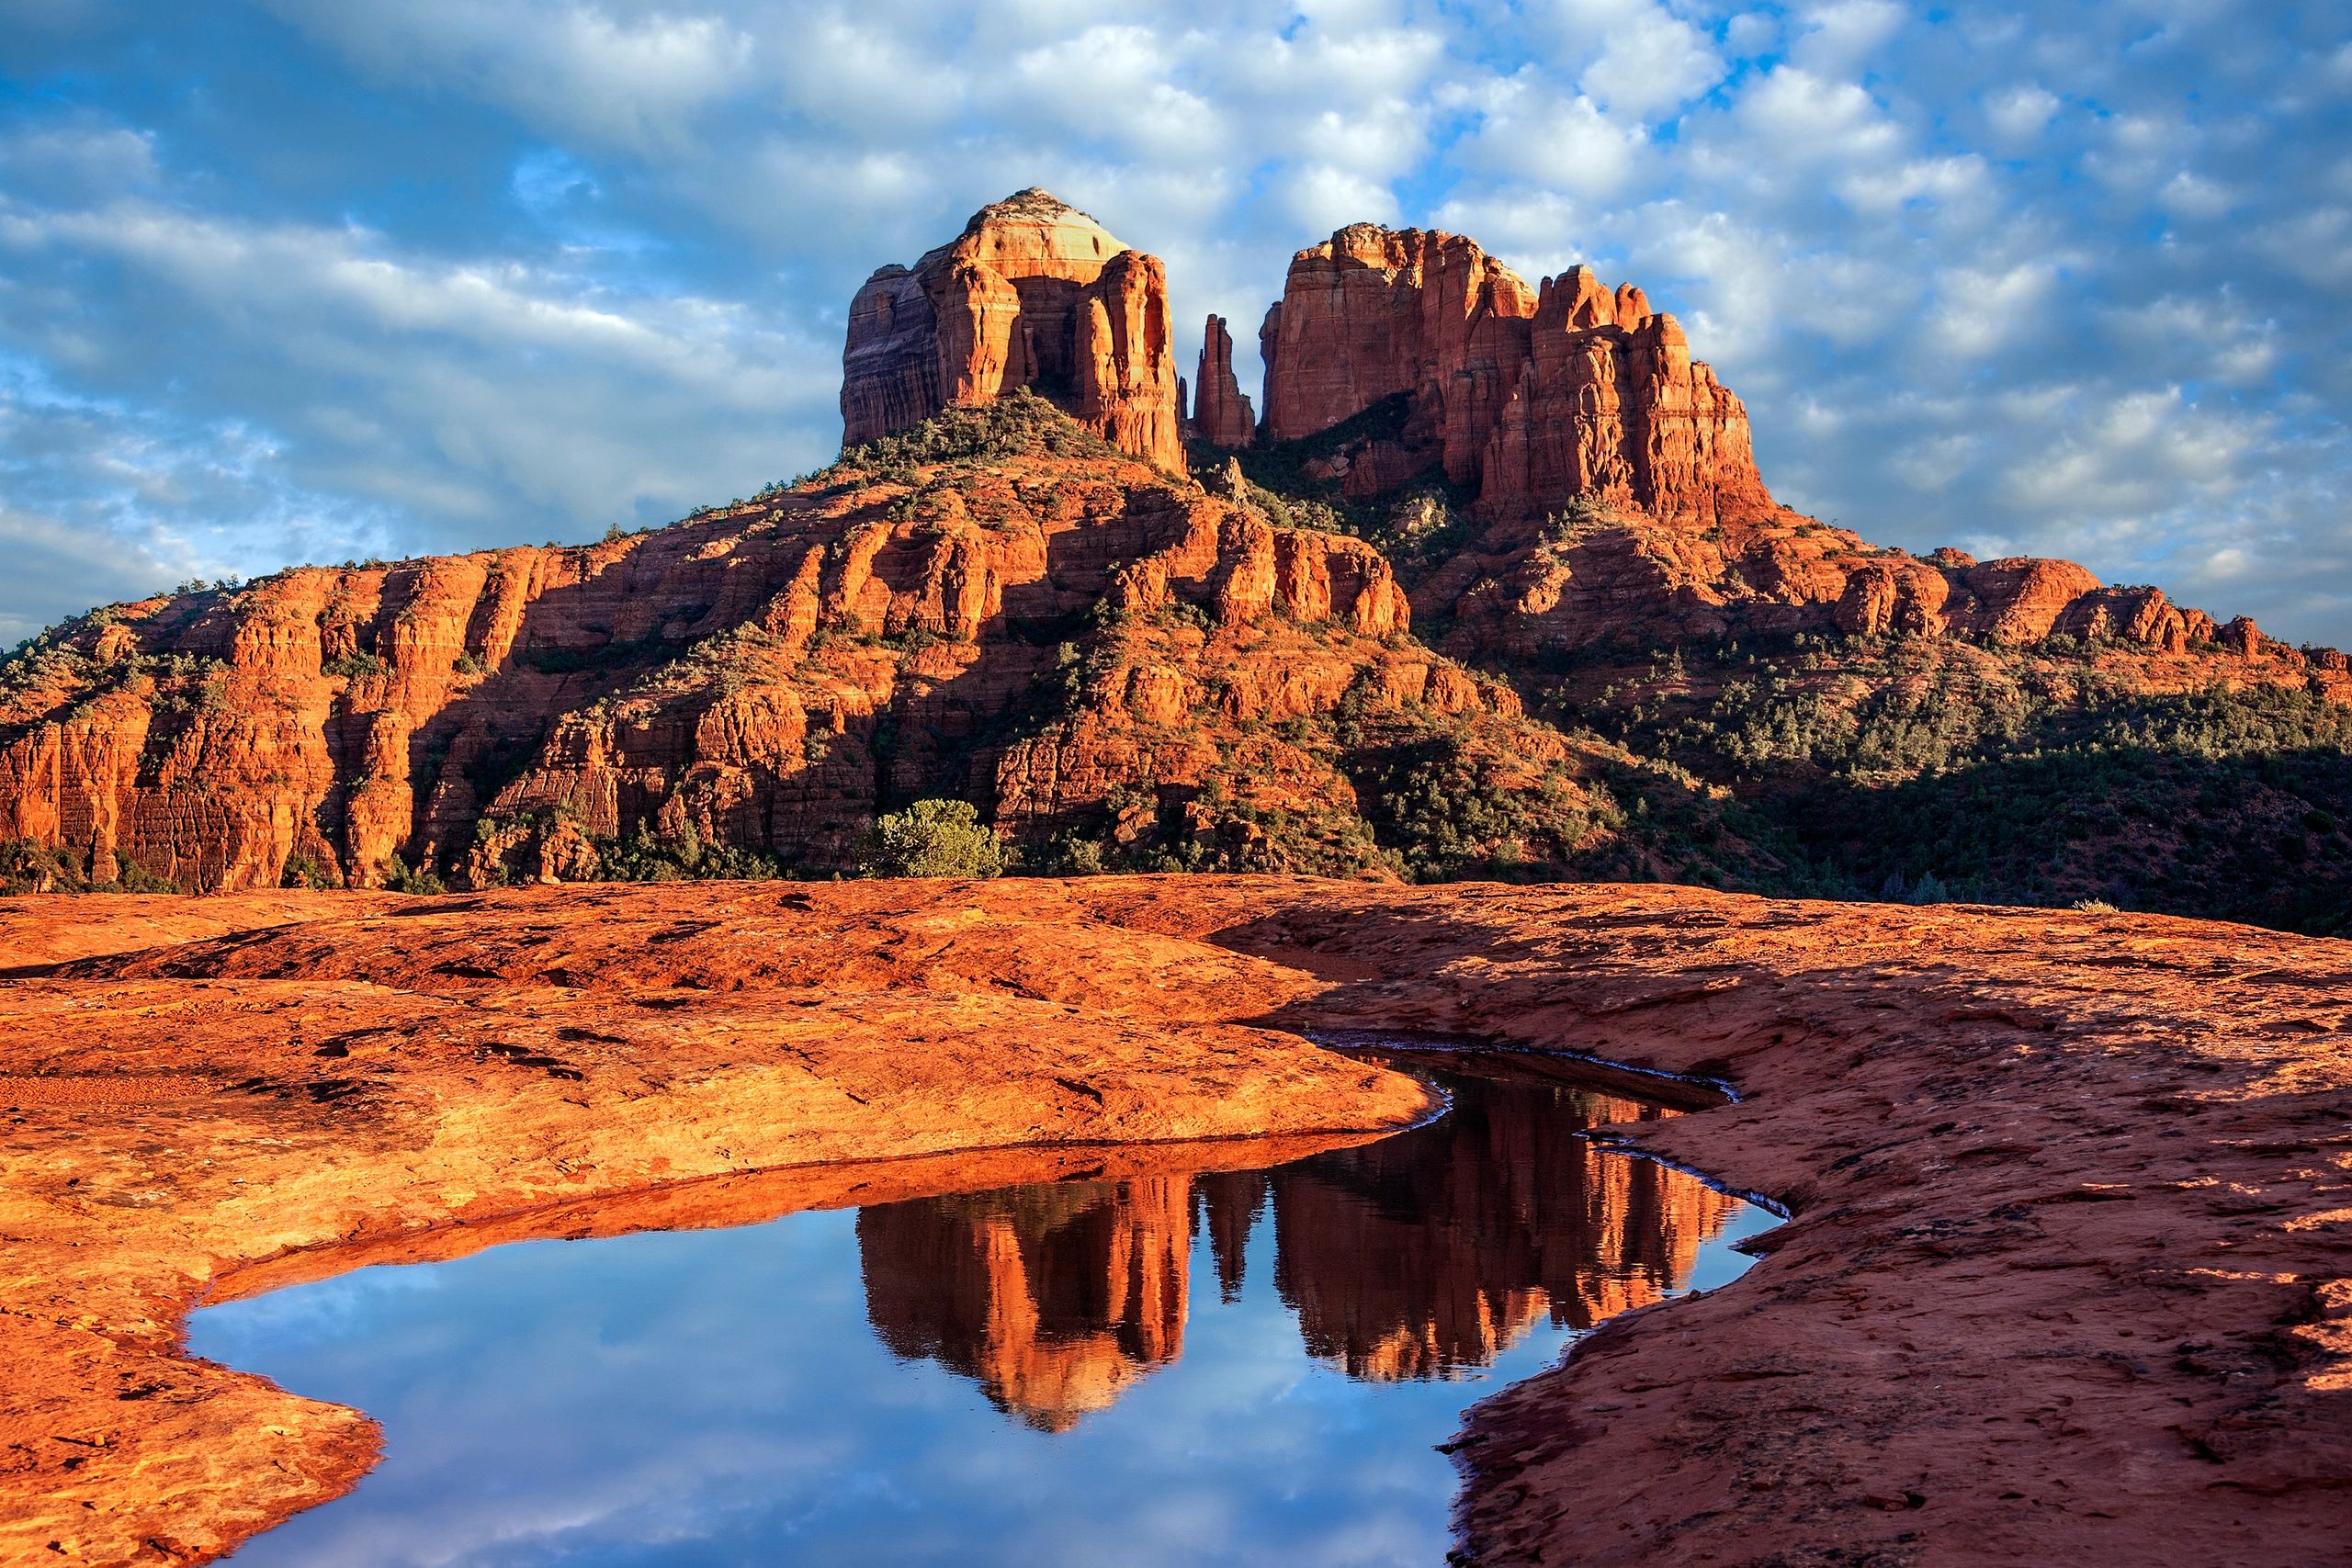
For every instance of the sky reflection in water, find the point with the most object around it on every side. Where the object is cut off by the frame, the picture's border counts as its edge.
(1244, 1367)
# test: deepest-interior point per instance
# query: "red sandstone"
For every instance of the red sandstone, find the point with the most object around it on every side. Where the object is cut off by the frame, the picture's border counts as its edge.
(1033, 293)
(2061, 1278)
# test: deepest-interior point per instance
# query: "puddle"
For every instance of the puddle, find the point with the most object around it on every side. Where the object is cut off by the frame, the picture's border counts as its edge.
(1238, 1366)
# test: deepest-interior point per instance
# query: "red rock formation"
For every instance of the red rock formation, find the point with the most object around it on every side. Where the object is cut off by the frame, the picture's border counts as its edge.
(1033, 294)
(1373, 312)
(1053, 639)
(1221, 414)
(1538, 396)
(764, 677)
(1610, 404)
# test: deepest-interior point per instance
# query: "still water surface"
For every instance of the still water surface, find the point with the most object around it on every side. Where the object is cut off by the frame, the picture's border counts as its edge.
(1231, 1367)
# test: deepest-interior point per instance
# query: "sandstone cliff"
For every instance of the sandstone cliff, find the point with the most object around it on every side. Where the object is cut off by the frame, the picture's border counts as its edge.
(1033, 294)
(1090, 649)
(1617, 497)
(1533, 396)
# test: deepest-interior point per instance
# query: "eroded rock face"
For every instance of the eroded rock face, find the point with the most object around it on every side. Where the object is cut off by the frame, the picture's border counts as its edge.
(1616, 478)
(767, 676)
(1220, 413)
(1537, 396)
(1039, 636)
(1033, 294)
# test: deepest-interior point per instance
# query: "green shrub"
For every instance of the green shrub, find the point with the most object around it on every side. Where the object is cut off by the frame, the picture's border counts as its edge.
(931, 838)
(353, 665)
(402, 878)
(1022, 424)
(304, 871)
(643, 855)
(28, 867)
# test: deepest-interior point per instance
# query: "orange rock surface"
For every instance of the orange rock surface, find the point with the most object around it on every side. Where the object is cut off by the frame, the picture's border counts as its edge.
(163, 1130)
(1033, 293)
(2063, 1276)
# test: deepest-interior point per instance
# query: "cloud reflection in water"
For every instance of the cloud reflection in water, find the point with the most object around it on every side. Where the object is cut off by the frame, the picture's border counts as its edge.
(1240, 1367)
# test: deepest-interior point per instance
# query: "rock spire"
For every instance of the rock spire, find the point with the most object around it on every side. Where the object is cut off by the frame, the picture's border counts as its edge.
(1221, 413)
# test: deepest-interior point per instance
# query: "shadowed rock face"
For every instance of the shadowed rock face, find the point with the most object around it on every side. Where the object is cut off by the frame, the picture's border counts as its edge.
(1033, 294)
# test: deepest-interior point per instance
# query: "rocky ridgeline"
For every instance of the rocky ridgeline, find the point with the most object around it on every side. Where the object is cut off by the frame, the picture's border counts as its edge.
(1073, 642)
(1106, 656)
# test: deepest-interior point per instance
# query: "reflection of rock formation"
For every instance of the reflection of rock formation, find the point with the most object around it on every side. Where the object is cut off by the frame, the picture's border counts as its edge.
(1412, 1256)
(1230, 1202)
(1054, 1298)
(1436, 1249)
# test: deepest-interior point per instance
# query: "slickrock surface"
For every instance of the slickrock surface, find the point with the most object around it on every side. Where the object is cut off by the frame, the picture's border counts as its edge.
(1033, 293)
(2065, 1276)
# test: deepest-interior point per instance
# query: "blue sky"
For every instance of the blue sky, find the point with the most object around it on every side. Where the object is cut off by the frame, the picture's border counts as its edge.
(306, 279)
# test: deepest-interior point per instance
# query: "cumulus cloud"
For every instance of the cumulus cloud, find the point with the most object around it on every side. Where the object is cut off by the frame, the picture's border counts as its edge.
(2060, 278)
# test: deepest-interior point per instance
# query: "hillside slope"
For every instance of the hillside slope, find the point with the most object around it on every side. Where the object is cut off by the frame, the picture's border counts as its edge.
(1496, 589)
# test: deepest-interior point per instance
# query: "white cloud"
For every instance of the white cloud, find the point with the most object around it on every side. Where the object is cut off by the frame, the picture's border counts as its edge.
(2018, 115)
(1320, 199)
(1839, 37)
(1980, 310)
(2188, 195)
(1531, 130)
(1796, 118)
(1635, 59)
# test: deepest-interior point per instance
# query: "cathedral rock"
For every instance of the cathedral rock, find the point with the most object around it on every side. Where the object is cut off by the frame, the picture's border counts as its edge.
(1033, 294)
(1535, 396)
